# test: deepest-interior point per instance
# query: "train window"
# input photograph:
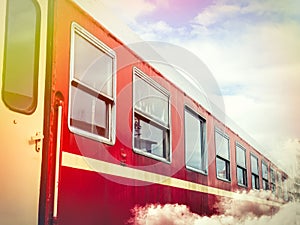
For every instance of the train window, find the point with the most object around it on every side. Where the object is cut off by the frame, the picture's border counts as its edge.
(222, 155)
(265, 179)
(21, 57)
(254, 171)
(195, 150)
(241, 165)
(279, 185)
(273, 180)
(92, 84)
(151, 127)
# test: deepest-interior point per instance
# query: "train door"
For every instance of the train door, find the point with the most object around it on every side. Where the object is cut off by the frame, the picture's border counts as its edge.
(23, 25)
(80, 53)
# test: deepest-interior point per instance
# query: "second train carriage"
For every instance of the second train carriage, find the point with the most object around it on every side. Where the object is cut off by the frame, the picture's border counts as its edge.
(84, 138)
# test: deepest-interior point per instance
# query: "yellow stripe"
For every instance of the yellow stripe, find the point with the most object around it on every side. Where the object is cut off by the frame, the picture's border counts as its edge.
(84, 163)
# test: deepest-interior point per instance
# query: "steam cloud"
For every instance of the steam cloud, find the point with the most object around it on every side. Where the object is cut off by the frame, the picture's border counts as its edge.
(234, 212)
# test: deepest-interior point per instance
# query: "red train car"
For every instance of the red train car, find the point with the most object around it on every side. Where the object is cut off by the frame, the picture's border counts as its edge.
(89, 129)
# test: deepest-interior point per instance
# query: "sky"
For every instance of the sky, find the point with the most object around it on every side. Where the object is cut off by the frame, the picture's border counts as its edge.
(251, 47)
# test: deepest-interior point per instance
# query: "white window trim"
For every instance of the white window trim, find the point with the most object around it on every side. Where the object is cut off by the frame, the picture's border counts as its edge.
(199, 117)
(153, 83)
(76, 28)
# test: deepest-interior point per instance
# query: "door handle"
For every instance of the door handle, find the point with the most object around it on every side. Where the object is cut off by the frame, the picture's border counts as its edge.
(37, 138)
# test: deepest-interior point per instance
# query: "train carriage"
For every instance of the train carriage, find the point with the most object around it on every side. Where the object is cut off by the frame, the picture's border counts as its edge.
(89, 129)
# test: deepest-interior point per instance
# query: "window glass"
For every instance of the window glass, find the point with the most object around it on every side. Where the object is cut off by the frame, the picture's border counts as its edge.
(20, 72)
(195, 154)
(279, 180)
(222, 169)
(272, 176)
(240, 156)
(149, 137)
(222, 156)
(254, 164)
(273, 188)
(255, 182)
(241, 176)
(91, 92)
(264, 171)
(90, 114)
(151, 101)
(222, 145)
(151, 132)
(92, 66)
(265, 185)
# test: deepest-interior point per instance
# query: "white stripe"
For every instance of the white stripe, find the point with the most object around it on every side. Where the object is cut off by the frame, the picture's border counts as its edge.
(58, 138)
(81, 162)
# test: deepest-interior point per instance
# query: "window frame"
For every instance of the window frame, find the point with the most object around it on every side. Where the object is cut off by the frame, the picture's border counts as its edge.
(243, 168)
(255, 175)
(30, 109)
(91, 39)
(204, 156)
(265, 180)
(218, 157)
(168, 127)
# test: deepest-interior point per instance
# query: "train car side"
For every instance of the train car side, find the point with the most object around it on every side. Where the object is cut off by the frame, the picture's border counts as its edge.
(107, 132)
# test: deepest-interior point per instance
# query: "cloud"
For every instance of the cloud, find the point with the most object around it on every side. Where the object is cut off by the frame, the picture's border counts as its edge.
(216, 13)
(234, 212)
(132, 9)
(159, 31)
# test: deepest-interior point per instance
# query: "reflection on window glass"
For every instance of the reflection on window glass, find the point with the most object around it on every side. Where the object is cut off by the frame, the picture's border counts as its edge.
(91, 92)
(151, 132)
(90, 114)
(255, 182)
(20, 72)
(241, 176)
(195, 153)
(221, 168)
(149, 137)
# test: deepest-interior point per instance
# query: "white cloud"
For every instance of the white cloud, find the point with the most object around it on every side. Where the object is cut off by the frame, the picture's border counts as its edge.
(131, 10)
(236, 212)
(286, 8)
(158, 31)
(216, 13)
